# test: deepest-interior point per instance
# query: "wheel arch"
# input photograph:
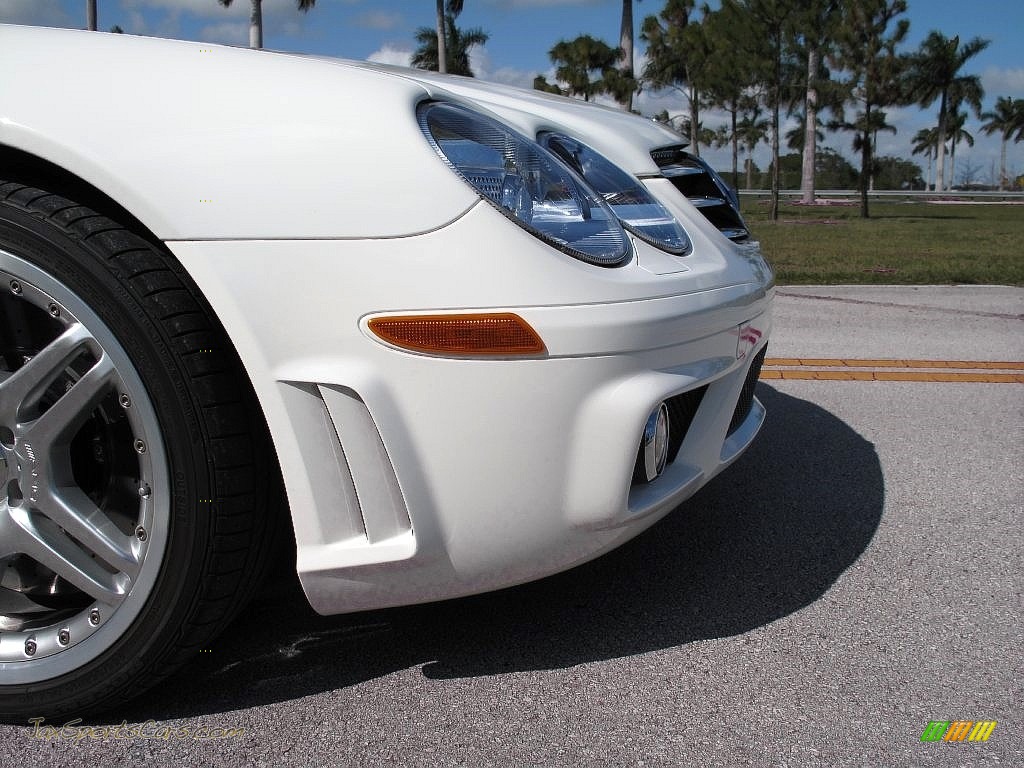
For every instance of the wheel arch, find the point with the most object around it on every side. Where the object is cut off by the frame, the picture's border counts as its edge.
(26, 168)
(32, 170)
(220, 497)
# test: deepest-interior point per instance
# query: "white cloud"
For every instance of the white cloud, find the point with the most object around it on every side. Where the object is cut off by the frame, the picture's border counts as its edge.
(519, 78)
(1001, 81)
(389, 54)
(163, 18)
(212, 8)
(512, 4)
(38, 13)
(137, 24)
(230, 32)
(651, 102)
(480, 63)
(379, 20)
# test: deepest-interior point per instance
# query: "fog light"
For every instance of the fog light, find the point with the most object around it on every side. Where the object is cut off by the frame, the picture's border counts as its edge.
(653, 453)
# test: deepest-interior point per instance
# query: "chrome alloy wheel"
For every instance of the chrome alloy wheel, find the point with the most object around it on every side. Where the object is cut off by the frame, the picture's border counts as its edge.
(84, 481)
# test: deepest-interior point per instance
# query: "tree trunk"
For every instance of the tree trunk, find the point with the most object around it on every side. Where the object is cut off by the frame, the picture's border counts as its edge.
(1002, 165)
(694, 121)
(865, 162)
(750, 169)
(810, 129)
(952, 164)
(442, 46)
(940, 148)
(736, 153)
(626, 44)
(256, 24)
(773, 203)
(90, 15)
(874, 151)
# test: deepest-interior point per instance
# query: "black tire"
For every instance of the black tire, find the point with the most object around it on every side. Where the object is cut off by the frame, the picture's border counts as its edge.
(177, 417)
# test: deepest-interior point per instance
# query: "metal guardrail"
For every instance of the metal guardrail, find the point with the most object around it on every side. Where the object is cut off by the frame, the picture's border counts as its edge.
(917, 194)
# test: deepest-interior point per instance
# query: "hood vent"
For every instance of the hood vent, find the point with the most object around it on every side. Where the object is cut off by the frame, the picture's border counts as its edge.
(704, 188)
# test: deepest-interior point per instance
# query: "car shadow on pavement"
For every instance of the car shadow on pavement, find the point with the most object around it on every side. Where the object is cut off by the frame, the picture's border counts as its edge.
(762, 540)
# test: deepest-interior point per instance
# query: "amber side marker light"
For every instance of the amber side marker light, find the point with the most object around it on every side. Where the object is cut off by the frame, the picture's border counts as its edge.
(501, 334)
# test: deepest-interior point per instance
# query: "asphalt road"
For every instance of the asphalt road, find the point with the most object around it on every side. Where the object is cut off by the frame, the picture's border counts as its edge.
(856, 575)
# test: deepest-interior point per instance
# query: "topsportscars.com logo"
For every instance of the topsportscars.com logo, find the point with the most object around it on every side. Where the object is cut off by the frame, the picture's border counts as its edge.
(958, 730)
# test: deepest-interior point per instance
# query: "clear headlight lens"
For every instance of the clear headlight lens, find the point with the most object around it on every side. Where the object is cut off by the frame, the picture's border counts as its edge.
(526, 183)
(636, 208)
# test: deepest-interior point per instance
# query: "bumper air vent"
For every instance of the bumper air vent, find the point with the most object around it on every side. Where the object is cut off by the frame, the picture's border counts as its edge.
(747, 393)
(681, 410)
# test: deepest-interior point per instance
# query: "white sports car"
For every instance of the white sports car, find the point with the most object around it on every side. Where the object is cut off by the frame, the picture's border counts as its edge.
(481, 334)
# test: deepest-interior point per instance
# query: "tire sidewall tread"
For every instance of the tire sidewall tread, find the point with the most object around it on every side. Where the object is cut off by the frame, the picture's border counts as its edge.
(140, 291)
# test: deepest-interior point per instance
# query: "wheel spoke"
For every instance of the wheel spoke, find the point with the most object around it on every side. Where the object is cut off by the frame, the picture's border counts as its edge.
(43, 541)
(22, 389)
(10, 533)
(76, 513)
(63, 418)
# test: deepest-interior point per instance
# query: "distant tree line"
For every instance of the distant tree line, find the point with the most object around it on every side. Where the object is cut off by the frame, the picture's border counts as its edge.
(763, 61)
(835, 64)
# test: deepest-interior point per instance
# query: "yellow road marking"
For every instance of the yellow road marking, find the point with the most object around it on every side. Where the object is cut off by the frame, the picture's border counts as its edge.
(823, 362)
(844, 369)
(833, 375)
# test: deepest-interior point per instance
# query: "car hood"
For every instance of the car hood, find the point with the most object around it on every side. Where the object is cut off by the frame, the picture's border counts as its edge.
(623, 137)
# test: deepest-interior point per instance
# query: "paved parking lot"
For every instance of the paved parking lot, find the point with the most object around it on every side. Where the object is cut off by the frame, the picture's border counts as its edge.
(855, 576)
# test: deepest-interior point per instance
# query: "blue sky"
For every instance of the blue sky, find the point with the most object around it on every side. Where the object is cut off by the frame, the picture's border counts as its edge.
(522, 32)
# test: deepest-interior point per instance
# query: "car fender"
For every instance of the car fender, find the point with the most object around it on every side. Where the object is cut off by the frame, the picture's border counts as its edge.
(260, 146)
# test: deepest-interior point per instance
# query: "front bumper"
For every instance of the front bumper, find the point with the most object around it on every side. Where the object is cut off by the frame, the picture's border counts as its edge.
(413, 478)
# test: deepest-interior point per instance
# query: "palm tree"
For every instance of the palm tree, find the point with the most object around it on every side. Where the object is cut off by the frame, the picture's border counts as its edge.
(90, 15)
(453, 7)
(935, 74)
(957, 134)
(751, 130)
(1007, 117)
(458, 44)
(815, 24)
(797, 135)
(924, 143)
(865, 129)
(256, 18)
(626, 61)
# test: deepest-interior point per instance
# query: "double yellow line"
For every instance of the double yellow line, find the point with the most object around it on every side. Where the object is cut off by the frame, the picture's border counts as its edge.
(836, 369)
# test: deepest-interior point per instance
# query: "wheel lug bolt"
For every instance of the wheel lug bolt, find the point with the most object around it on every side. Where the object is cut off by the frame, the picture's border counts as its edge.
(94, 616)
(64, 637)
(124, 400)
(15, 287)
(145, 491)
(54, 310)
(140, 533)
(30, 647)
(140, 446)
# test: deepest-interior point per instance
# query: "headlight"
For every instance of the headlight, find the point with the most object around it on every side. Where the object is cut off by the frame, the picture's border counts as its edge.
(526, 183)
(636, 208)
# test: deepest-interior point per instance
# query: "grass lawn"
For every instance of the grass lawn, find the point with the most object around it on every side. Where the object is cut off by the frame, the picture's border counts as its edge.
(903, 242)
